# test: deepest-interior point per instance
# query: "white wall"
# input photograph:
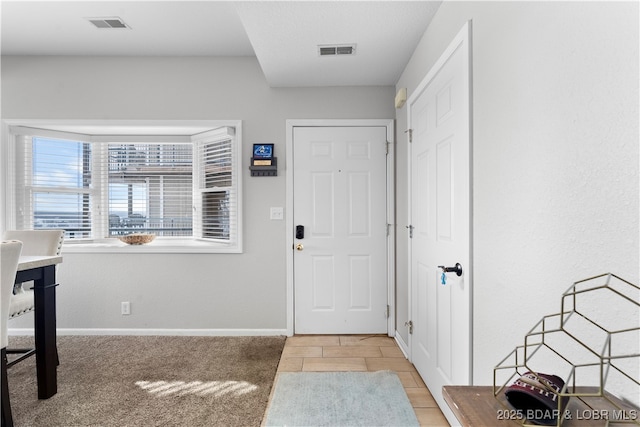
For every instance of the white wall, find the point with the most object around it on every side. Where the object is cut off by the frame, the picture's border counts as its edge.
(214, 292)
(555, 157)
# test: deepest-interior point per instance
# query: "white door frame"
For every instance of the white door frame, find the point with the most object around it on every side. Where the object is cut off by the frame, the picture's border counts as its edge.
(389, 124)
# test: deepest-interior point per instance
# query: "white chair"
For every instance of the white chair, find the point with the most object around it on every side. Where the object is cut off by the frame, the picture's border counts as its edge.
(9, 255)
(34, 243)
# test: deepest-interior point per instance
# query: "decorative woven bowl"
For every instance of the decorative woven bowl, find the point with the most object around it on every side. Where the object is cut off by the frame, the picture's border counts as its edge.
(137, 238)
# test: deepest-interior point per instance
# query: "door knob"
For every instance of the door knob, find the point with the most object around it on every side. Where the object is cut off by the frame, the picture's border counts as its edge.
(456, 269)
(299, 246)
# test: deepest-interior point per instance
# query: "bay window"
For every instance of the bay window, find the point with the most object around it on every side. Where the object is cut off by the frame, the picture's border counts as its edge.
(183, 188)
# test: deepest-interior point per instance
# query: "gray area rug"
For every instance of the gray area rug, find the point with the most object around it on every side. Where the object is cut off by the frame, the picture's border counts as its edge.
(340, 399)
(150, 381)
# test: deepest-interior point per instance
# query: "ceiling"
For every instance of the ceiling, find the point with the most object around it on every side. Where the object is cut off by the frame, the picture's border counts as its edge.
(283, 35)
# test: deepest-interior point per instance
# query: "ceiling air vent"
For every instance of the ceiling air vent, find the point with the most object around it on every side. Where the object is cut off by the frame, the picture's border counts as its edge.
(111, 22)
(335, 50)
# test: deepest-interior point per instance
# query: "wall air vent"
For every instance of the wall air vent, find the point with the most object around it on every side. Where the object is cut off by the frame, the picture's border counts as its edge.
(336, 50)
(111, 22)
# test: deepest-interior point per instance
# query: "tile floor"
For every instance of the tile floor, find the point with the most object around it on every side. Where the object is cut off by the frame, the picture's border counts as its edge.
(361, 353)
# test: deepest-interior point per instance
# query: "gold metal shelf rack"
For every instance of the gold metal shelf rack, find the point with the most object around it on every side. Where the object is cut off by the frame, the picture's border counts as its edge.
(594, 345)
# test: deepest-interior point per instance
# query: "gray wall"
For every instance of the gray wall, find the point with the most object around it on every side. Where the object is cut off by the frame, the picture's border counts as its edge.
(217, 292)
(555, 157)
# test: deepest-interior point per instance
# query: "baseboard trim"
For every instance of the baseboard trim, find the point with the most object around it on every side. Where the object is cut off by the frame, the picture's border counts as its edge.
(164, 332)
(403, 345)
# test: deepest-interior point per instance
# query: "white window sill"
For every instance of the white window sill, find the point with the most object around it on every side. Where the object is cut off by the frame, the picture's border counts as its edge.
(157, 246)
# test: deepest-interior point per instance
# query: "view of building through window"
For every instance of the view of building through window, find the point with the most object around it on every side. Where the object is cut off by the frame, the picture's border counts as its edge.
(61, 182)
(150, 187)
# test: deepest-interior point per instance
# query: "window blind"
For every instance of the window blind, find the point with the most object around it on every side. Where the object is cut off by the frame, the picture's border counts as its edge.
(54, 185)
(218, 186)
(150, 189)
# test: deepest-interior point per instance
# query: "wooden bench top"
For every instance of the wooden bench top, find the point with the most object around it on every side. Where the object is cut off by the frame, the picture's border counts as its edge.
(476, 406)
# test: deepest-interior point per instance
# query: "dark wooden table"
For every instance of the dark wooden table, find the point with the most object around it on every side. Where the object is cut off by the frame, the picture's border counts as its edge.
(42, 270)
(476, 406)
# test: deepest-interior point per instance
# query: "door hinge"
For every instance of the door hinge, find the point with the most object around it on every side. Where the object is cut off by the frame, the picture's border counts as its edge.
(387, 311)
(410, 132)
(388, 229)
(410, 227)
(409, 325)
(387, 146)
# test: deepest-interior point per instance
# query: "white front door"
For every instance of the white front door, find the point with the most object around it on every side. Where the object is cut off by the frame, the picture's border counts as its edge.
(340, 232)
(439, 117)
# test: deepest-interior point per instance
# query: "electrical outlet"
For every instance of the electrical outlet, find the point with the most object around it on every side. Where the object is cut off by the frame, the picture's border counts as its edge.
(125, 308)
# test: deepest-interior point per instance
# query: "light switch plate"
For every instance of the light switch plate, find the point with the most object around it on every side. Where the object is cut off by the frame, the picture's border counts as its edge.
(277, 213)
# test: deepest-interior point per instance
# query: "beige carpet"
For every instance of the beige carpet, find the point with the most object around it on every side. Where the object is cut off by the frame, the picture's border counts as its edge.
(150, 381)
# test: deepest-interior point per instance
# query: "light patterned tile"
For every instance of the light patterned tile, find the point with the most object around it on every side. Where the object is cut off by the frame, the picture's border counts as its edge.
(391, 351)
(431, 417)
(418, 378)
(407, 380)
(362, 353)
(367, 340)
(420, 398)
(290, 364)
(391, 364)
(351, 351)
(302, 351)
(313, 340)
(331, 364)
